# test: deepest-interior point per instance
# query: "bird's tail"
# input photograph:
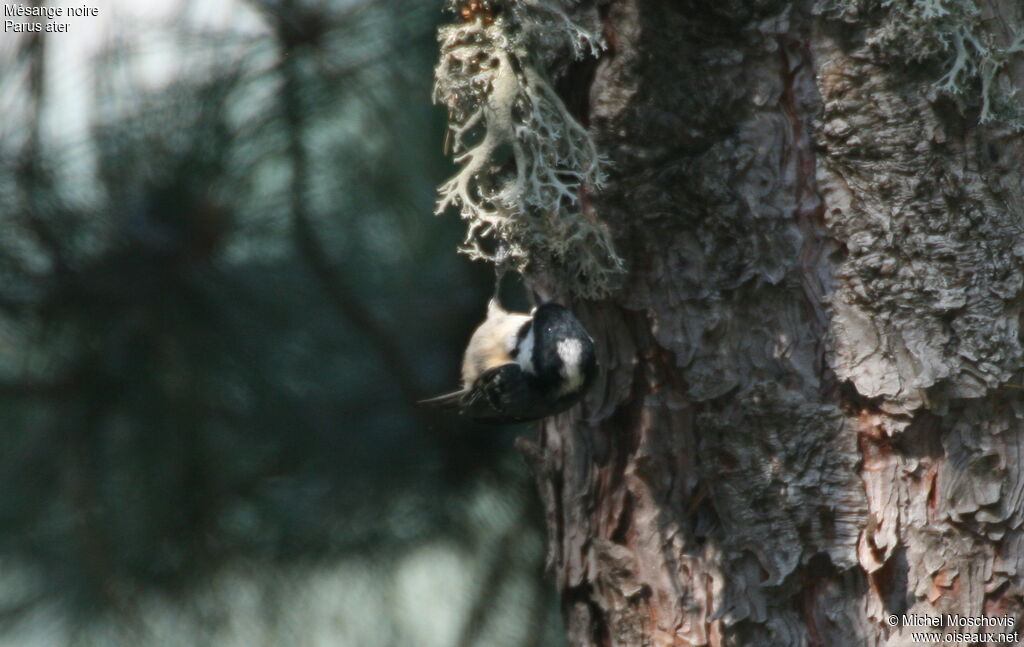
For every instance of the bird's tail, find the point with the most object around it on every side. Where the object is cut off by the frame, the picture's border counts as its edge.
(445, 401)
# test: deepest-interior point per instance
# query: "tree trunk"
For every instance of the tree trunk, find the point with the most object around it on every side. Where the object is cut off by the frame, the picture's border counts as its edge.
(807, 420)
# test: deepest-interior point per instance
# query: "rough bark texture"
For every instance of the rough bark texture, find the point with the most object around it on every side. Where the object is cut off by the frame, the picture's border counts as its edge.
(807, 419)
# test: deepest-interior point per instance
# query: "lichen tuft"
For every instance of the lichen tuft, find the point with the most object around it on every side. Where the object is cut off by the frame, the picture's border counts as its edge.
(525, 164)
(952, 33)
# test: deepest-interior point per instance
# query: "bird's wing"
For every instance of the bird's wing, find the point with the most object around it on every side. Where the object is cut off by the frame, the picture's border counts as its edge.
(500, 395)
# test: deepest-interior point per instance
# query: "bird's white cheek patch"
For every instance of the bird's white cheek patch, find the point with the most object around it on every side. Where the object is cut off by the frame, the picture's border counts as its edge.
(570, 351)
(524, 354)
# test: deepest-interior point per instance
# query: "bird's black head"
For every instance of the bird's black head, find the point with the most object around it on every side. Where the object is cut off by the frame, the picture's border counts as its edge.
(563, 352)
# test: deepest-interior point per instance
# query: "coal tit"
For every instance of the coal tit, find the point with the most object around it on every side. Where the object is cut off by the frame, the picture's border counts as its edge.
(520, 367)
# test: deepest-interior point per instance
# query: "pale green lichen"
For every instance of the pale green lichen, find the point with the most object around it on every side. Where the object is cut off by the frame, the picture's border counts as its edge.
(953, 33)
(525, 162)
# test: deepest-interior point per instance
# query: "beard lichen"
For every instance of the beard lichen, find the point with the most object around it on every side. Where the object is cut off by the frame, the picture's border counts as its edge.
(525, 164)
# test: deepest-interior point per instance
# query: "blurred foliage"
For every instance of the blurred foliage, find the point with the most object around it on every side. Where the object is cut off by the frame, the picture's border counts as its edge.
(218, 304)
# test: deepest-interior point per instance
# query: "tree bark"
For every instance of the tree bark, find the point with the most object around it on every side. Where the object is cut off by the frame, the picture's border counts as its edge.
(807, 419)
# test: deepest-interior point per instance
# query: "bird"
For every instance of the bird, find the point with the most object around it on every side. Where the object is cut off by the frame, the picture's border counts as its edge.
(521, 367)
